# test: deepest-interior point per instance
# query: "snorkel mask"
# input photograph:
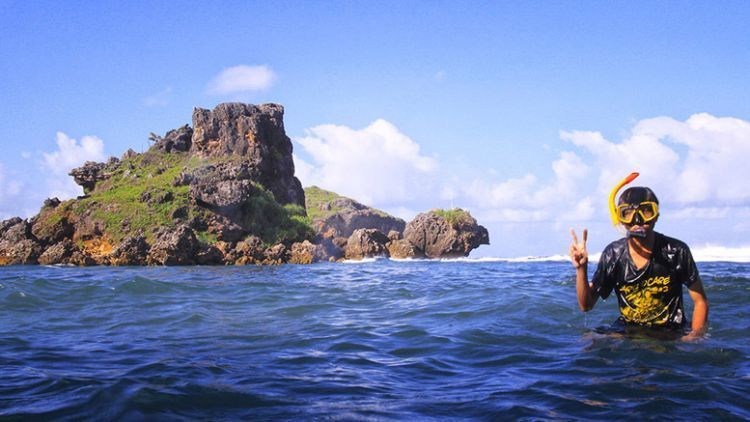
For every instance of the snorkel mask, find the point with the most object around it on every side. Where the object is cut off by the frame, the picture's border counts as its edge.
(638, 206)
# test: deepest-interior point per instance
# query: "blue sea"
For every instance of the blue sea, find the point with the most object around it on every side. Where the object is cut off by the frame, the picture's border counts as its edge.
(375, 340)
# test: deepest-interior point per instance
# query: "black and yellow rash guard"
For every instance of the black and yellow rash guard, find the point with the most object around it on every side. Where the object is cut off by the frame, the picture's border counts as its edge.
(650, 296)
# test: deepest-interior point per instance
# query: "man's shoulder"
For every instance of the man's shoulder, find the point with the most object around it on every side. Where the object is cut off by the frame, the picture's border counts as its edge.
(671, 244)
(615, 249)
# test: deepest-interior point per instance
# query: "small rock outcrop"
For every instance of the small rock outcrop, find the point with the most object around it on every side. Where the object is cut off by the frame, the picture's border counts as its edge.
(365, 243)
(88, 175)
(133, 250)
(173, 247)
(254, 134)
(445, 234)
(59, 253)
(307, 253)
(338, 216)
(403, 249)
(174, 140)
(17, 244)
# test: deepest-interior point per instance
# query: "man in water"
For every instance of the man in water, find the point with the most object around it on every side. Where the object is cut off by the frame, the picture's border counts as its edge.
(645, 268)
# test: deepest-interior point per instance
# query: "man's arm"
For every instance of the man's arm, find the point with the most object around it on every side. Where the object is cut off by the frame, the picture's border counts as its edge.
(700, 310)
(580, 258)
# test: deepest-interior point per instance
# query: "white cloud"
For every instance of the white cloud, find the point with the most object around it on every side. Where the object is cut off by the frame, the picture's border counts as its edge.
(525, 199)
(696, 166)
(377, 165)
(242, 78)
(702, 160)
(69, 155)
(159, 99)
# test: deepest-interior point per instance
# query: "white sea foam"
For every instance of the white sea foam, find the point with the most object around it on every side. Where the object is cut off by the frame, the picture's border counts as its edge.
(707, 253)
(711, 253)
(362, 261)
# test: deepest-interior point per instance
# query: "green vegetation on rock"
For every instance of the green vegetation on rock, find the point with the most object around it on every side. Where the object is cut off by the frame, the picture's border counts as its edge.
(455, 216)
(139, 195)
(322, 204)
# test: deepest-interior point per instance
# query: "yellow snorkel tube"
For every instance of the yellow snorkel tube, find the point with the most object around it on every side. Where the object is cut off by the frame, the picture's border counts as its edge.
(613, 197)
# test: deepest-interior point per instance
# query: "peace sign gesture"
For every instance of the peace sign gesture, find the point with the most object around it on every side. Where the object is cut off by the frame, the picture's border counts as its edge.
(578, 254)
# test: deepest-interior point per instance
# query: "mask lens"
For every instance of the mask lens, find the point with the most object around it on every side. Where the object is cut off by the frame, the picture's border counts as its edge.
(647, 210)
(625, 213)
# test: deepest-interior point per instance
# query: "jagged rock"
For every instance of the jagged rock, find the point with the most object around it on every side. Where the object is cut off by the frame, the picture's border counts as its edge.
(133, 250)
(17, 244)
(403, 249)
(341, 216)
(365, 243)
(432, 234)
(394, 235)
(182, 179)
(6, 224)
(175, 140)
(128, 154)
(82, 259)
(17, 232)
(51, 232)
(89, 175)
(88, 227)
(340, 242)
(276, 254)
(225, 230)
(51, 203)
(255, 135)
(58, 253)
(209, 255)
(173, 247)
(248, 251)
(331, 250)
(223, 186)
(307, 253)
(153, 197)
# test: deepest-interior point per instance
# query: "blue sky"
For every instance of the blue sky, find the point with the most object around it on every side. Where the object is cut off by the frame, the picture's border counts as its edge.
(491, 106)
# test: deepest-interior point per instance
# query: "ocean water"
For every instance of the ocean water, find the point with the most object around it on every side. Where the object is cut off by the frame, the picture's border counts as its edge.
(380, 340)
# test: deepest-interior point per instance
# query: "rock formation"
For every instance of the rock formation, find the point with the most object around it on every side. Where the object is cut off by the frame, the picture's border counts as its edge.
(256, 135)
(221, 192)
(445, 234)
(366, 243)
(333, 215)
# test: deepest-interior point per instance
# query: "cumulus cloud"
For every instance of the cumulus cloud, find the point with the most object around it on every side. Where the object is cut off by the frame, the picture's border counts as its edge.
(527, 199)
(69, 154)
(242, 78)
(697, 166)
(702, 160)
(377, 165)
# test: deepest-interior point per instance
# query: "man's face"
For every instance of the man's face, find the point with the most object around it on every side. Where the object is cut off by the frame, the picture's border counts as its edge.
(638, 211)
(639, 228)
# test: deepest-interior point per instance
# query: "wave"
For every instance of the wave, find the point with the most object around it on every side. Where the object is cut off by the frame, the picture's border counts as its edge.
(363, 260)
(706, 253)
(711, 253)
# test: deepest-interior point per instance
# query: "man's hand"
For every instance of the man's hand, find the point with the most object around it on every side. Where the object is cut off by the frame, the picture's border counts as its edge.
(578, 254)
(692, 337)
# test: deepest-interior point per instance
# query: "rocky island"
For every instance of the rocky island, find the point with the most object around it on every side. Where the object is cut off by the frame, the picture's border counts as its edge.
(221, 192)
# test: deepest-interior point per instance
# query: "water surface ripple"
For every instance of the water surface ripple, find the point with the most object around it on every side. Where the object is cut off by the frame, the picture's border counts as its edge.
(376, 340)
